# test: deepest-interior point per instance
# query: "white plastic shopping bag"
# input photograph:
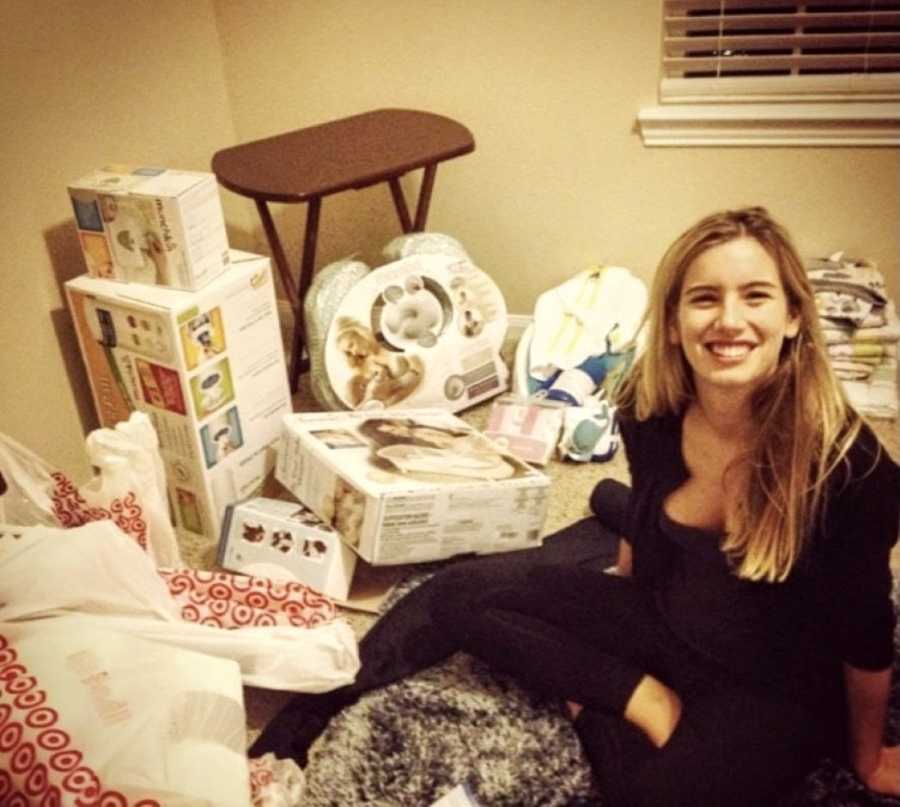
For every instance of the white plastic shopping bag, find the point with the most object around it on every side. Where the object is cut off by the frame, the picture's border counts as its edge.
(91, 716)
(94, 576)
(28, 498)
(129, 488)
(94, 569)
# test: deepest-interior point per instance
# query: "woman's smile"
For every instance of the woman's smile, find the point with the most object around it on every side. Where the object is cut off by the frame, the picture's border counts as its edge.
(730, 351)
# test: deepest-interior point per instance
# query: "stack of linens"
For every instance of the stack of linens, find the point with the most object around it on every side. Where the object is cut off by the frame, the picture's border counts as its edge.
(861, 331)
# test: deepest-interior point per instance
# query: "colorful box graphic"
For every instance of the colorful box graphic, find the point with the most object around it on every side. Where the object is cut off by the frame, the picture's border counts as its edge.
(285, 540)
(151, 225)
(403, 486)
(208, 367)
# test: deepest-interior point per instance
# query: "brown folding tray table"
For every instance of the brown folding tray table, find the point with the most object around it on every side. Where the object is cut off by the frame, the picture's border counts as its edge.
(306, 165)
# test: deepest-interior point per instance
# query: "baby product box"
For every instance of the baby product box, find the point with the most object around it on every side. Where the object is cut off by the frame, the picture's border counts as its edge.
(151, 225)
(424, 331)
(403, 486)
(285, 540)
(207, 367)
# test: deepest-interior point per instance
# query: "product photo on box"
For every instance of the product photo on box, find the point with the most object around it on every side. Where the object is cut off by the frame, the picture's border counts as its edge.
(284, 540)
(207, 367)
(410, 485)
(422, 331)
(151, 225)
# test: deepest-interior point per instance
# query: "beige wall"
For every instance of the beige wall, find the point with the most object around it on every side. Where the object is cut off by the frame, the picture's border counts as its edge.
(85, 84)
(559, 178)
(550, 90)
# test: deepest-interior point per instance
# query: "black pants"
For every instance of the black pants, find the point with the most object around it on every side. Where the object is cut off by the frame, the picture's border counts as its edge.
(555, 621)
(589, 637)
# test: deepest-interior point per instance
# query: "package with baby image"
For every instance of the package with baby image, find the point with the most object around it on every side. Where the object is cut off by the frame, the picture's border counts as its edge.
(207, 367)
(420, 332)
(410, 485)
(151, 225)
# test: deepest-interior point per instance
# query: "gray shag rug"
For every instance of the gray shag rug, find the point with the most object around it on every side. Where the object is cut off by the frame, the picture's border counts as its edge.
(411, 742)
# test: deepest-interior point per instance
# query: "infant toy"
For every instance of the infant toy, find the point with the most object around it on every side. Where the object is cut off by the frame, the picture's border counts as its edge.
(576, 351)
(425, 330)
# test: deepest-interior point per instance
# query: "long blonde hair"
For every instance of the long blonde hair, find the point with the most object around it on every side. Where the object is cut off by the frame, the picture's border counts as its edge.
(803, 423)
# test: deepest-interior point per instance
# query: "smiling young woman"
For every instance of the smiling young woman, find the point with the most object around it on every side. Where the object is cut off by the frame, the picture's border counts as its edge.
(770, 458)
(748, 628)
(736, 334)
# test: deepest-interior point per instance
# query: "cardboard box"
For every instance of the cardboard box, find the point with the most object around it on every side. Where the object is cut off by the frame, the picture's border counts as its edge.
(285, 540)
(527, 427)
(151, 225)
(208, 367)
(403, 486)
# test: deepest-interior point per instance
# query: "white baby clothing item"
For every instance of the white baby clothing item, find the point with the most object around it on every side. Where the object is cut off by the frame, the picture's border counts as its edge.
(597, 311)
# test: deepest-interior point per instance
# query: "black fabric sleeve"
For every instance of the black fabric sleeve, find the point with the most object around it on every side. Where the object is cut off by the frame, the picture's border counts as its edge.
(631, 430)
(862, 525)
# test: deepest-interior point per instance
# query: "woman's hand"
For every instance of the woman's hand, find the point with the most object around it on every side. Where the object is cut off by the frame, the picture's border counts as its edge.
(885, 776)
(877, 765)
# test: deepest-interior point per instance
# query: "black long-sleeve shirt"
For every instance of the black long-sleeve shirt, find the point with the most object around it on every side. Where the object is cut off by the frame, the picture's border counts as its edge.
(834, 606)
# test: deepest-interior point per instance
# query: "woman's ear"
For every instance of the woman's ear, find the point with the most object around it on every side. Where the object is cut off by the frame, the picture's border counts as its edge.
(793, 325)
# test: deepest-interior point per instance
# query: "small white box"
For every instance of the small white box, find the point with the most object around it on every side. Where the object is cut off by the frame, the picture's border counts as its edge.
(151, 225)
(285, 540)
(403, 486)
(208, 368)
(529, 428)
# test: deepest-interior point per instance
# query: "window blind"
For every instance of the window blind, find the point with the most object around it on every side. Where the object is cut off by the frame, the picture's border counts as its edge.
(776, 50)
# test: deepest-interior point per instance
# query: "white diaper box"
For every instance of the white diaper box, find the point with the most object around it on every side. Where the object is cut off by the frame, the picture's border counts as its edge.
(207, 367)
(284, 540)
(410, 485)
(151, 225)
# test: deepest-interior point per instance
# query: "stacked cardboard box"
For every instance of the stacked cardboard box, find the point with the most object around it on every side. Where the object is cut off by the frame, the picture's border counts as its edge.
(173, 323)
(151, 225)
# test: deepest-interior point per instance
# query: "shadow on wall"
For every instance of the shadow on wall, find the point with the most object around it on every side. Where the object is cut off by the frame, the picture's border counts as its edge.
(352, 224)
(67, 261)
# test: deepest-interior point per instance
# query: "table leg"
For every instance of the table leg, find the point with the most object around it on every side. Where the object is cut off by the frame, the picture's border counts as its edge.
(298, 363)
(400, 204)
(281, 264)
(424, 197)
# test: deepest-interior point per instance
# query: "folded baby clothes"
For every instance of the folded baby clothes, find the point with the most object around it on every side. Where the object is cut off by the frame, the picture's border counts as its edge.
(861, 330)
(849, 369)
(836, 332)
(876, 396)
(847, 290)
(872, 352)
(850, 274)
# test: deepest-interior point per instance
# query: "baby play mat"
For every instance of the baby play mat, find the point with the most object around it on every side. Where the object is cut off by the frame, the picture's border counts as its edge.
(425, 330)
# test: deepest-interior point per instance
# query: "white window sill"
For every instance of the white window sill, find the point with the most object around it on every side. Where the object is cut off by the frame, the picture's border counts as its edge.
(787, 124)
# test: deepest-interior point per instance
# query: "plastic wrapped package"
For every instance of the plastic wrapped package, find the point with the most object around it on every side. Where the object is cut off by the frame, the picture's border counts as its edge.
(424, 244)
(329, 287)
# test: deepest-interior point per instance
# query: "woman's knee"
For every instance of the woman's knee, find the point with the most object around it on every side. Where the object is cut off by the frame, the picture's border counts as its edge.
(466, 591)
